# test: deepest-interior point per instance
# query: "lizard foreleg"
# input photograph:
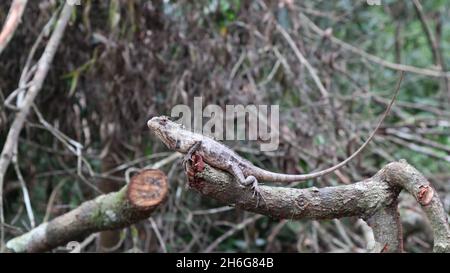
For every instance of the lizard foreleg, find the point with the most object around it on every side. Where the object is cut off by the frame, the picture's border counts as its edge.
(191, 151)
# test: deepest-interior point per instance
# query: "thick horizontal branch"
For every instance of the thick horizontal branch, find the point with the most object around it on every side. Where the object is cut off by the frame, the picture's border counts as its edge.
(131, 204)
(374, 199)
(358, 199)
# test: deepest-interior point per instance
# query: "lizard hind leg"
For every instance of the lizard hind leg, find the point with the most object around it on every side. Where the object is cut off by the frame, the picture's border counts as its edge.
(248, 181)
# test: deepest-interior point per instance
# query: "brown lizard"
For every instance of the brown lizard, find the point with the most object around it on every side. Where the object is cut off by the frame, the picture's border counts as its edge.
(176, 137)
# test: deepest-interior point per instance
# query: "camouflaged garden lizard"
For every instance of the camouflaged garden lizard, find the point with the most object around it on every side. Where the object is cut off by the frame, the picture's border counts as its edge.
(176, 137)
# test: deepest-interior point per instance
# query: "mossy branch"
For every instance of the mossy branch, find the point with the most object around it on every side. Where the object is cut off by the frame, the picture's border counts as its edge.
(132, 203)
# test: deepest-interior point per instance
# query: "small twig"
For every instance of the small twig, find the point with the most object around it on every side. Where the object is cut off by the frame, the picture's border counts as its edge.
(158, 234)
(437, 54)
(420, 149)
(38, 81)
(51, 200)
(376, 59)
(212, 211)
(136, 161)
(275, 231)
(341, 229)
(418, 139)
(304, 61)
(26, 195)
(12, 22)
(232, 231)
(76, 247)
(164, 161)
(73, 146)
(27, 71)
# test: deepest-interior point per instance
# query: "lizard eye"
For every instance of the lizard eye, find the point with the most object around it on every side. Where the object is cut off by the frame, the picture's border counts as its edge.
(163, 121)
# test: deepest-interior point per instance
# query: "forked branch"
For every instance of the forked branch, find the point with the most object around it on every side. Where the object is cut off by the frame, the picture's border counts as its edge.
(374, 200)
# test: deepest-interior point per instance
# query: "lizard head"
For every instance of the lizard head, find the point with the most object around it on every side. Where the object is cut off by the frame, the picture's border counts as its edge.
(172, 134)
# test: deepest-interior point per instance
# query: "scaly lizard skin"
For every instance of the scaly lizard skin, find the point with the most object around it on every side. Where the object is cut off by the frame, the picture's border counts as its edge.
(175, 137)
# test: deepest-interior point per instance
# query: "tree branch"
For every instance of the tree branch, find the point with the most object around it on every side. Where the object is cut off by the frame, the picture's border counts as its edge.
(12, 22)
(407, 177)
(374, 199)
(373, 58)
(387, 229)
(43, 67)
(135, 202)
(437, 54)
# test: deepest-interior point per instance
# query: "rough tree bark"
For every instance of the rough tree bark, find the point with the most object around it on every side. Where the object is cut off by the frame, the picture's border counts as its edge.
(374, 200)
(132, 203)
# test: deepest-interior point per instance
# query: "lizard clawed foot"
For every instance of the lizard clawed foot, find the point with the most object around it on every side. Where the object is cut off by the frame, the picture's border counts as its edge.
(188, 156)
(247, 182)
(253, 182)
(257, 192)
(185, 161)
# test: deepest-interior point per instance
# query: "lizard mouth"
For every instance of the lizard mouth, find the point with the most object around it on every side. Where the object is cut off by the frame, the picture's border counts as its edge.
(150, 124)
(153, 123)
(170, 142)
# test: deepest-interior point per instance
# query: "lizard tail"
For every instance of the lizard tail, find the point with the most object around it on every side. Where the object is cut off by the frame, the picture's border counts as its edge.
(276, 177)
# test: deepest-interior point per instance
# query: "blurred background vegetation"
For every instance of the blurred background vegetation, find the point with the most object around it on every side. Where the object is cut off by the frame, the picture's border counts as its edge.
(123, 61)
